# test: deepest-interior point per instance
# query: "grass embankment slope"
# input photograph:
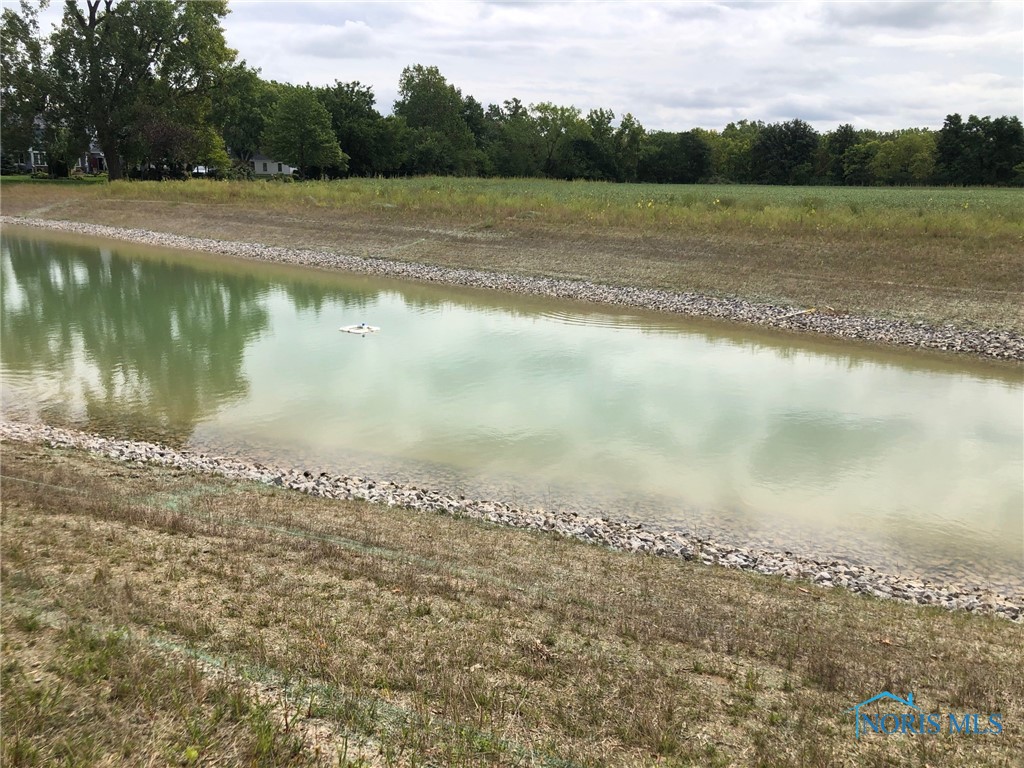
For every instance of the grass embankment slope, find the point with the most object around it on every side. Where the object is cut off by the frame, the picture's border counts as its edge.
(937, 255)
(151, 616)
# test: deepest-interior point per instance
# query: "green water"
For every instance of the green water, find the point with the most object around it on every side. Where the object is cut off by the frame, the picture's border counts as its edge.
(888, 457)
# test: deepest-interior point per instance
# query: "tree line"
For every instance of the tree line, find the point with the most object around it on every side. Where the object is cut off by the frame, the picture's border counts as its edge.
(153, 83)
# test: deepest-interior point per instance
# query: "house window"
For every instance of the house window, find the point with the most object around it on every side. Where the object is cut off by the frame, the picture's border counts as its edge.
(278, 167)
(252, 164)
(264, 167)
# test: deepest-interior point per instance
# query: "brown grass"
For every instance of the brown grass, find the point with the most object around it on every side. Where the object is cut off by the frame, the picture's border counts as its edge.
(961, 267)
(414, 638)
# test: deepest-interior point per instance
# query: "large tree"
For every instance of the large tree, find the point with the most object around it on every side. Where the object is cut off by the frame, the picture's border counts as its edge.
(593, 151)
(908, 157)
(836, 143)
(434, 110)
(676, 158)
(241, 102)
(22, 80)
(858, 163)
(734, 155)
(514, 149)
(629, 141)
(981, 151)
(783, 153)
(113, 58)
(299, 133)
(558, 126)
(375, 144)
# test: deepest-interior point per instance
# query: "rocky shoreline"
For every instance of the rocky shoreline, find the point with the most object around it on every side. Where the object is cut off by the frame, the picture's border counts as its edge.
(992, 344)
(630, 537)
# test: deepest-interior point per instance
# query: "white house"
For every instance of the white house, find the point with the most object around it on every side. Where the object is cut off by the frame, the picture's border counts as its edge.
(265, 166)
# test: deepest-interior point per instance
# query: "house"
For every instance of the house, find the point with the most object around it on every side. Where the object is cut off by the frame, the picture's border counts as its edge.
(35, 160)
(265, 166)
(92, 161)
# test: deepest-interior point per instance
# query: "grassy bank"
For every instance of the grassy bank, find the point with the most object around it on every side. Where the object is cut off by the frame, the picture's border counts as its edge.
(149, 613)
(939, 255)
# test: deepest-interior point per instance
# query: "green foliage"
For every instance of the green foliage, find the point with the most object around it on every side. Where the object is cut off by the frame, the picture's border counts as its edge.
(783, 153)
(366, 136)
(23, 83)
(676, 158)
(514, 143)
(908, 158)
(120, 68)
(239, 170)
(241, 105)
(836, 143)
(299, 133)
(858, 163)
(557, 127)
(629, 140)
(441, 140)
(981, 151)
(731, 157)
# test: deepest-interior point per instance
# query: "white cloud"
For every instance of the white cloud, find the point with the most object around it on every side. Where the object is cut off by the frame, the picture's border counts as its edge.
(674, 65)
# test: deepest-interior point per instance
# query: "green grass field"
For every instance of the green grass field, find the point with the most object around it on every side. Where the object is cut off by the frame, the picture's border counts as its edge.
(874, 210)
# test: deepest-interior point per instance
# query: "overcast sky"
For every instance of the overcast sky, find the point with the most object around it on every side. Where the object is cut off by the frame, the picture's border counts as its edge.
(674, 65)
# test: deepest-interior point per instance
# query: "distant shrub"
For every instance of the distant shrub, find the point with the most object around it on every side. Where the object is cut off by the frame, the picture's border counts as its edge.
(239, 171)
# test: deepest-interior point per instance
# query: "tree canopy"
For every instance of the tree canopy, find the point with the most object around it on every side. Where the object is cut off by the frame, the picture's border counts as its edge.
(299, 132)
(121, 66)
(153, 83)
(23, 84)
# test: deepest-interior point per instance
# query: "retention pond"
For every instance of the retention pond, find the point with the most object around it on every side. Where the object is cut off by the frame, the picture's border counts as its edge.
(907, 461)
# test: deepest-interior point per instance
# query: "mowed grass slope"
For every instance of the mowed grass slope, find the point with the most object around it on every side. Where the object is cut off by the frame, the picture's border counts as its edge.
(938, 255)
(155, 615)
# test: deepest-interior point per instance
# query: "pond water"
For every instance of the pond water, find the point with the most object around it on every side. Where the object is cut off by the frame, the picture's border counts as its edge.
(899, 459)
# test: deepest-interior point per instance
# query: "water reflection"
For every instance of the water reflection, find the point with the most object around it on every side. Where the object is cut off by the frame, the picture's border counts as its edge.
(744, 435)
(147, 348)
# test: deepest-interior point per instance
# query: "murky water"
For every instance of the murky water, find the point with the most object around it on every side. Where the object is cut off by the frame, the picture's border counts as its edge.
(895, 458)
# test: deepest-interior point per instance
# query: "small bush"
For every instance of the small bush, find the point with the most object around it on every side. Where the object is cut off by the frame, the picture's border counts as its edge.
(239, 171)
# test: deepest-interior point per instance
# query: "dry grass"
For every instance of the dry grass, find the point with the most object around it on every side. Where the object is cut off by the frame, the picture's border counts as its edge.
(418, 639)
(936, 255)
(75, 696)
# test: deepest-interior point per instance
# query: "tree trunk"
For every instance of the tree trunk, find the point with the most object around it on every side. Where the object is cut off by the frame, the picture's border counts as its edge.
(110, 154)
(114, 170)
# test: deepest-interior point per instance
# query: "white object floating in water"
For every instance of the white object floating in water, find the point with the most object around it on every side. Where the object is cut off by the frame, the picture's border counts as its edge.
(362, 329)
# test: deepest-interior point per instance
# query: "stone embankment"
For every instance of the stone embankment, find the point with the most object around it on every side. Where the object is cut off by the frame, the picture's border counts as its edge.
(999, 344)
(630, 537)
